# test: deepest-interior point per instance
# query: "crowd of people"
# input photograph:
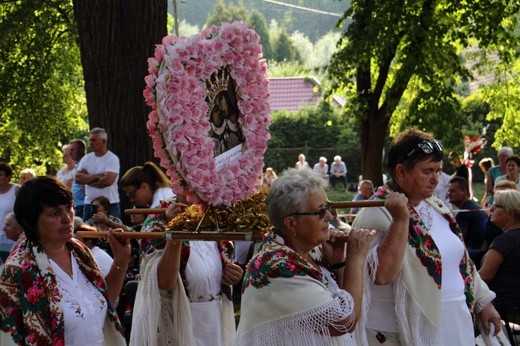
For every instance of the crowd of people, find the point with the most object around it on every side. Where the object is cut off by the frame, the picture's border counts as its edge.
(413, 272)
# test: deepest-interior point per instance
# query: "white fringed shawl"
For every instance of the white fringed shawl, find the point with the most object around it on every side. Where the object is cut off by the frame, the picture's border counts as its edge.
(417, 296)
(283, 306)
(162, 318)
(157, 318)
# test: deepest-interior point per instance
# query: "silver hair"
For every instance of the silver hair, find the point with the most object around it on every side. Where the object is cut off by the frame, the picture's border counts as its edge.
(101, 133)
(289, 193)
(367, 183)
(510, 199)
(12, 216)
(507, 150)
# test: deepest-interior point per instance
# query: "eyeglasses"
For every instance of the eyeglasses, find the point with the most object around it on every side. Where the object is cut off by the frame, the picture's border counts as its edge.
(494, 206)
(427, 147)
(131, 195)
(321, 213)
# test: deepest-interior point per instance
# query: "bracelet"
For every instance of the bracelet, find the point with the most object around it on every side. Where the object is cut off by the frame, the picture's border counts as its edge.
(118, 267)
(337, 265)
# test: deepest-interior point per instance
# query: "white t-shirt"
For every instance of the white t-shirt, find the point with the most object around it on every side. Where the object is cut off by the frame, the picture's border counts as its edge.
(162, 193)
(100, 164)
(6, 206)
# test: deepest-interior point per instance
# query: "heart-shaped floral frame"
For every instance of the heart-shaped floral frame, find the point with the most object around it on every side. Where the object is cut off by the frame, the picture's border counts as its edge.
(177, 89)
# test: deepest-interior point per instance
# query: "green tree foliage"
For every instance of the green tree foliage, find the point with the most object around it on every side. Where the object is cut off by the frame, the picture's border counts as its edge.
(304, 46)
(284, 48)
(253, 18)
(43, 101)
(226, 13)
(314, 17)
(315, 131)
(391, 43)
(256, 21)
(287, 69)
(323, 50)
(504, 99)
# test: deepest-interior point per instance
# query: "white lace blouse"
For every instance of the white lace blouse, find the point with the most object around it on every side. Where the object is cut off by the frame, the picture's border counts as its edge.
(84, 307)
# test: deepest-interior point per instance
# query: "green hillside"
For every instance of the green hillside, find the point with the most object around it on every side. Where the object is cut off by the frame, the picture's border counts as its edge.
(314, 18)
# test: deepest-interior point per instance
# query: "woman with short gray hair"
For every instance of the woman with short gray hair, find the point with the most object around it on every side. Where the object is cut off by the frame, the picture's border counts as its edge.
(289, 297)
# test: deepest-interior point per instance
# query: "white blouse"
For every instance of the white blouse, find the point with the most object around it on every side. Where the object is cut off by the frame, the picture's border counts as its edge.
(204, 276)
(83, 305)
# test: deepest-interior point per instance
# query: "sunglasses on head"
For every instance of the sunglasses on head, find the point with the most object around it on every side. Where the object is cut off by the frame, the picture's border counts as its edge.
(321, 213)
(427, 147)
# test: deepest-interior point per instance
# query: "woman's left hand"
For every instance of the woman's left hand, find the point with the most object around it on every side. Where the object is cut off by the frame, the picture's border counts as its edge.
(100, 218)
(121, 248)
(490, 315)
(232, 273)
(334, 251)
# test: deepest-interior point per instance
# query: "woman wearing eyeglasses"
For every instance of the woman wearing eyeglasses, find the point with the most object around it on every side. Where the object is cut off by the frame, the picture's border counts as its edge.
(424, 289)
(289, 297)
(500, 267)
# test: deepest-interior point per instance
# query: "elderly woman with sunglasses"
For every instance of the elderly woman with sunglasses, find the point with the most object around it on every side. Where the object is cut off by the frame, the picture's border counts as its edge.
(289, 297)
(423, 287)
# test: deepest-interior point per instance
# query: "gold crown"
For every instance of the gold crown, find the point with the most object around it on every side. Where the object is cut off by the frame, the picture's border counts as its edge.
(218, 82)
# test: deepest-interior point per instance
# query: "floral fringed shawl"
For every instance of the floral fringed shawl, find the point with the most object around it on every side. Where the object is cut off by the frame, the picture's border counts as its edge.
(286, 301)
(164, 317)
(417, 289)
(30, 300)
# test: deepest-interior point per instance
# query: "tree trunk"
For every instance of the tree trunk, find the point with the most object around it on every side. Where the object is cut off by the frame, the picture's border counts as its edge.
(373, 133)
(116, 38)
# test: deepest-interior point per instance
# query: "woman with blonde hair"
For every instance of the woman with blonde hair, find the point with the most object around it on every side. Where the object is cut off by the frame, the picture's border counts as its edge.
(500, 265)
(269, 177)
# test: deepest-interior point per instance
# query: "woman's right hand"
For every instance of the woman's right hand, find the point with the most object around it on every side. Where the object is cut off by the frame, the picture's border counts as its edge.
(358, 242)
(397, 205)
(174, 209)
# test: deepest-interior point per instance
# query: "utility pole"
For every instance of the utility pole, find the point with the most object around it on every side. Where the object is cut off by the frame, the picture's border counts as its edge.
(175, 18)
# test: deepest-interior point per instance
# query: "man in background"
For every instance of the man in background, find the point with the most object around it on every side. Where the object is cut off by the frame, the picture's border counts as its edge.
(99, 172)
(77, 151)
(366, 190)
(471, 219)
(338, 172)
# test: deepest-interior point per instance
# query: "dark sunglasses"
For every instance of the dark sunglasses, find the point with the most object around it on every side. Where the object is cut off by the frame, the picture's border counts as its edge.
(321, 213)
(427, 147)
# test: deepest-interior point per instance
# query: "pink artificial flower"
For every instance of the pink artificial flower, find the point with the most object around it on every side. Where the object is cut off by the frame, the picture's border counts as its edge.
(178, 91)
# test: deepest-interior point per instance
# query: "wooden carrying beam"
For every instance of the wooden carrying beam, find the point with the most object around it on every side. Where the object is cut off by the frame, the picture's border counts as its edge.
(188, 235)
(335, 205)
(173, 235)
(208, 236)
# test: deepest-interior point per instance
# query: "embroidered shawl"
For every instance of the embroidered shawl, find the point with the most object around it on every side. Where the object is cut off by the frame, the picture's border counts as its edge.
(30, 300)
(287, 301)
(417, 289)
